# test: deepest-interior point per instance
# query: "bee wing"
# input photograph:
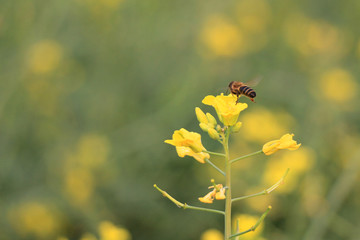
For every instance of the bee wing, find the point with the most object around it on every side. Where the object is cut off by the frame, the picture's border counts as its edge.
(253, 82)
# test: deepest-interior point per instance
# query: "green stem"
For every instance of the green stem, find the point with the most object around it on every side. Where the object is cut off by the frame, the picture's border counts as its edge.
(214, 166)
(203, 209)
(215, 153)
(186, 206)
(246, 156)
(250, 196)
(228, 185)
(267, 191)
(256, 224)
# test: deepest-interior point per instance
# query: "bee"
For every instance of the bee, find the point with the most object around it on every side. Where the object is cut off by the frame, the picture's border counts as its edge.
(240, 88)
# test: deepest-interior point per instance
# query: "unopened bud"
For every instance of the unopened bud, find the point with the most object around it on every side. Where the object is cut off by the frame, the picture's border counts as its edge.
(213, 134)
(211, 119)
(237, 127)
(201, 116)
(204, 127)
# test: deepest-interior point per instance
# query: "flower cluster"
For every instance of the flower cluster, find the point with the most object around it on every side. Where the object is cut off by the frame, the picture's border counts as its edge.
(217, 193)
(188, 143)
(227, 107)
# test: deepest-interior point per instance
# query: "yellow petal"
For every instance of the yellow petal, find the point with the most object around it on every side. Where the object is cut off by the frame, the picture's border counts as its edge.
(201, 116)
(285, 142)
(208, 198)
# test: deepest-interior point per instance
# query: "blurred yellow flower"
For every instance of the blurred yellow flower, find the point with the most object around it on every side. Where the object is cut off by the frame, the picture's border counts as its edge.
(79, 185)
(222, 38)
(338, 85)
(298, 161)
(226, 107)
(262, 202)
(311, 37)
(217, 193)
(62, 238)
(188, 143)
(108, 231)
(88, 236)
(262, 124)
(245, 222)
(253, 15)
(212, 234)
(44, 56)
(93, 150)
(285, 142)
(34, 218)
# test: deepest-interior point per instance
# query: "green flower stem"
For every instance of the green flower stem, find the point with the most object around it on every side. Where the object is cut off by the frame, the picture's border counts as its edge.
(265, 192)
(214, 166)
(228, 185)
(256, 224)
(215, 153)
(184, 205)
(246, 156)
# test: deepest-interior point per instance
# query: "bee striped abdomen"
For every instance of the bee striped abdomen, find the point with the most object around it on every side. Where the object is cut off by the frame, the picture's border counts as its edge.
(247, 91)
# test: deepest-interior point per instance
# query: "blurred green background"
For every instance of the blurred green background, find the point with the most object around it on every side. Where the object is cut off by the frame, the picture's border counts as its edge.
(90, 89)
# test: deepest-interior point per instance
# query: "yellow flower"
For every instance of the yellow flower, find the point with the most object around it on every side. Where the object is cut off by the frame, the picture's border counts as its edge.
(188, 143)
(338, 85)
(35, 219)
(222, 38)
(217, 193)
(285, 142)
(245, 222)
(226, 107)
(212, 234)
(208, 198)
(108, 231)
(45, 56)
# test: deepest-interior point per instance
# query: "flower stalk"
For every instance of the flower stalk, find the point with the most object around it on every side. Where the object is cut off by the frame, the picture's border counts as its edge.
(189, 144)
(214, 166)
(264, 192)
(253, 228)
(184, 205)
(245, 156)
(228, 185)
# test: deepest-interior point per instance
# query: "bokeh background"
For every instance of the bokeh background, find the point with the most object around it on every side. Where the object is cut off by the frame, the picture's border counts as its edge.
(90, 89)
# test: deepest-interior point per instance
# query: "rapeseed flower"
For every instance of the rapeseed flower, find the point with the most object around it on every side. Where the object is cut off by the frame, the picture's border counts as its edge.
(227, 107)
(188, 143)
(217, 193)
(285, 142)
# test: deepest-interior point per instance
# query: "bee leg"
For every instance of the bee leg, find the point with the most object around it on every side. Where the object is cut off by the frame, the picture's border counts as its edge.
(252, 100)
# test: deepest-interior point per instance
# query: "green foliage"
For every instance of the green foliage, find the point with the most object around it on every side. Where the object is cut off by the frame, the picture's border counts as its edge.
(89, 90)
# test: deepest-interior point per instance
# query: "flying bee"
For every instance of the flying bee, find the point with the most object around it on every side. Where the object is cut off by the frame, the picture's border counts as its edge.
(240, 88)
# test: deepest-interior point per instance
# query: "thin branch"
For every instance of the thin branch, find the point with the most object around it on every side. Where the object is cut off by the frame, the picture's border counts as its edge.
(215, 153)
(267, 191)
(253, 228)
(213, 165)
(246, 156)
(186, 206)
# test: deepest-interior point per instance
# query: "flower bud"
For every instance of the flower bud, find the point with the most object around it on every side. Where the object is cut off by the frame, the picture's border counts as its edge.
(211, 119)
(201, 116)
(237, 127)
(213, 134)
(204, 127)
